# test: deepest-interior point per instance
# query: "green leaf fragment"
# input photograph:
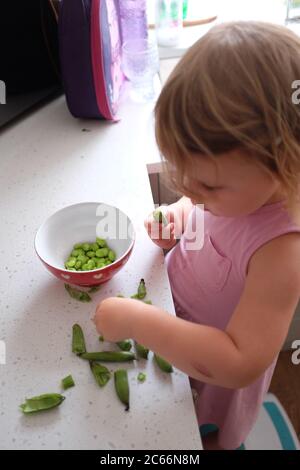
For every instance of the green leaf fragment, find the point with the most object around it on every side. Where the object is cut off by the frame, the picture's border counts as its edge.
(78, 342)
(77, 294)
(101, 373)
(160, 217)
(68, 382)
(94, 289)
(141, 350)
(41, 403)
(142, 289)
(141, 292)
(122, 386)
(108, 356)
(163, 364)
(134, 296)
(124, 345)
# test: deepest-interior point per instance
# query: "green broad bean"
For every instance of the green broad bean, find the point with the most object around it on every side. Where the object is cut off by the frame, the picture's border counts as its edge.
(101, 242)
(91, 264)
(100, 265)
(141, 377)
(88, 256)
(102, 252)
(71, 262)
(75, 253)
(111, 255)
(82, 258)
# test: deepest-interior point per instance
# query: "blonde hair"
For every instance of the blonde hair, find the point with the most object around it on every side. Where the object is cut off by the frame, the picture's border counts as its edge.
(233, 89)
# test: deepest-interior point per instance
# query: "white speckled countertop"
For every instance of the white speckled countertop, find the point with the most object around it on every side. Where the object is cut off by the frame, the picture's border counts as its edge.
(47, 162)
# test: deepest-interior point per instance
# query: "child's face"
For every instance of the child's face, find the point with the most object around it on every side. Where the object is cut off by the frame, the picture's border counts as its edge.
(233, 186)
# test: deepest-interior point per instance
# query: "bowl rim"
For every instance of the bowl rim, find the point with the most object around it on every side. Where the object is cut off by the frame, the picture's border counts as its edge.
(92, 270)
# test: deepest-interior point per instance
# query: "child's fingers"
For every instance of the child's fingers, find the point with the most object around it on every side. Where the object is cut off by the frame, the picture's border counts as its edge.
(167, 232)
(161, 235)
(170, 216)
(166, 243)
(157, 232)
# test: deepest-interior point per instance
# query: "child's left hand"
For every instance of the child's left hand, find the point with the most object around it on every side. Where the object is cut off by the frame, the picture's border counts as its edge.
(114, 318)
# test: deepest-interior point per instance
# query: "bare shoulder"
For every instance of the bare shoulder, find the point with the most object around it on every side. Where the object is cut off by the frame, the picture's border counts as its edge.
(279, 250)
(278, 259)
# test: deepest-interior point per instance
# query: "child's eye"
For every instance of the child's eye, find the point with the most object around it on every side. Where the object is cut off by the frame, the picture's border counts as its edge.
(209, 188)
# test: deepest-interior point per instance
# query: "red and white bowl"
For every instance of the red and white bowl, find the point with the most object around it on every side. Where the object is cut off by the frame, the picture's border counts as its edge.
(81, 223)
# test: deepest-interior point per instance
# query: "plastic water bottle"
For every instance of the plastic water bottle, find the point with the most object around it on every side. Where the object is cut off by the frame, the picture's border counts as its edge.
(185, 9)
(168, 21)
(133, 19)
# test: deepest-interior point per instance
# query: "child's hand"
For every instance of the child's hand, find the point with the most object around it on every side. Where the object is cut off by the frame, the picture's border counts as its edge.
(161, 235)
(114, 317)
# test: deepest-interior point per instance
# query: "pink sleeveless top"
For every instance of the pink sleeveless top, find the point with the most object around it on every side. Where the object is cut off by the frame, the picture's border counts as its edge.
(206, 285)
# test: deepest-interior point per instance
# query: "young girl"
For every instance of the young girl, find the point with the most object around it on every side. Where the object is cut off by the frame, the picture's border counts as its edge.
(230, 133)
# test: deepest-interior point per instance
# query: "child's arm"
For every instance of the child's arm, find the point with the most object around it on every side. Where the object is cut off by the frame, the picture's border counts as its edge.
(253, 338)
(255, 334)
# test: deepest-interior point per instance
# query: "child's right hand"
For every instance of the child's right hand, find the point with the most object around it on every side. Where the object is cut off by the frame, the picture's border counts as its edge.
(162, 236)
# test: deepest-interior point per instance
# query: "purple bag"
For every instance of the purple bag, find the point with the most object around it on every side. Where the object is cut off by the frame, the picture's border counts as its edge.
(90, 56)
